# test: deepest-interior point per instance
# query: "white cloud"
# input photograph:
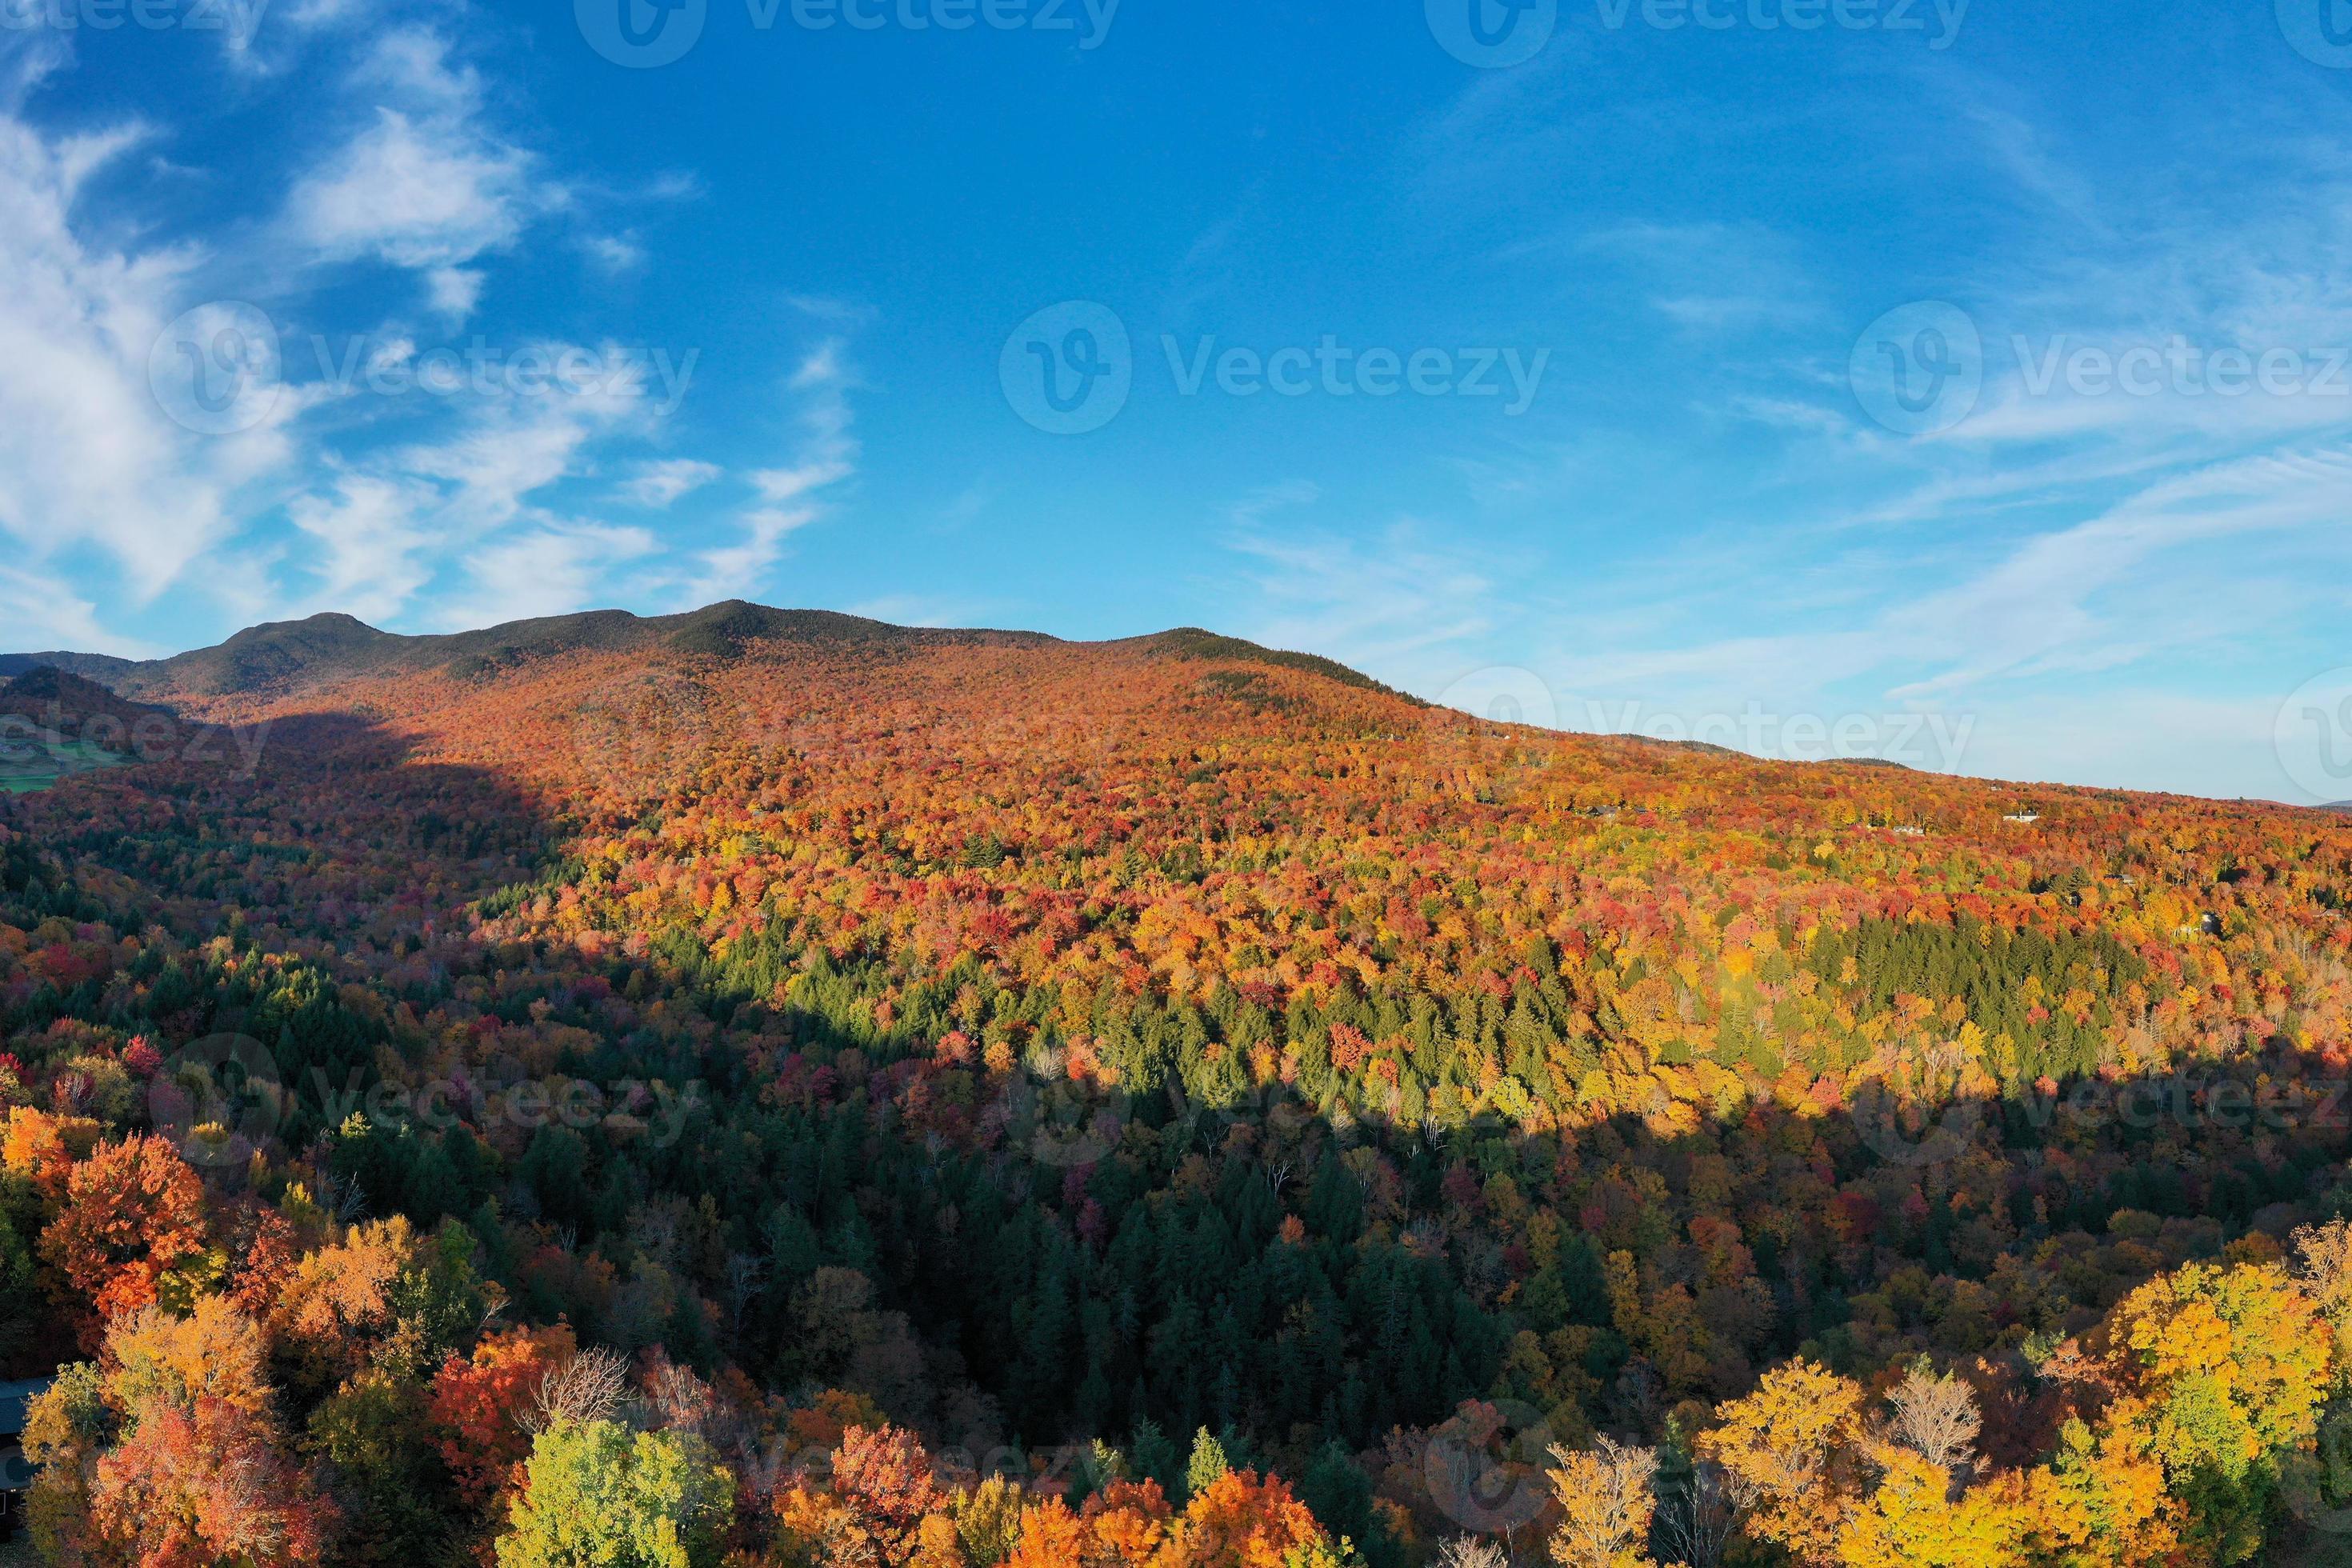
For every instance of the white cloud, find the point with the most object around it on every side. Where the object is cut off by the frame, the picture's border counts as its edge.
(402, 513)
(88, 457)
(428, 195)
(44, 615)
(613, 254)
(658, 485)
(91, 460)
(1713, 278)
(374, 542)
(1395, 606)
(551, 570)
(828, 455)
(425, 183)
(454, 291)
(916, 610)
(782, 486)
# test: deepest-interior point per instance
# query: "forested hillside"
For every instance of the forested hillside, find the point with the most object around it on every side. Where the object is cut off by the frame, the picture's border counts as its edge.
(766, 1090)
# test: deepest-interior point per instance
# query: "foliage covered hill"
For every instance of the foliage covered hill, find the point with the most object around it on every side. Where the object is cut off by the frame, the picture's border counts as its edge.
(293, 656)
(1030, 1043)
(53, 699)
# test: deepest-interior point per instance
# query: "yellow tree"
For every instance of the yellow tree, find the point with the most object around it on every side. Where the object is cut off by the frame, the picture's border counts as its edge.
(2101, 1502)
(1607, 1498)
(2324, 1253)
(1911, 1520)
(2228, 1365)
(1794, 1443)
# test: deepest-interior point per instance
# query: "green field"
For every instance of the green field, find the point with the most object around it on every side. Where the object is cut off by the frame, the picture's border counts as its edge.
(27, 766)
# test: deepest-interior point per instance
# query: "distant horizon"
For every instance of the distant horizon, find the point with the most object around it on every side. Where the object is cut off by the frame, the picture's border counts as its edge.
(1502, 703)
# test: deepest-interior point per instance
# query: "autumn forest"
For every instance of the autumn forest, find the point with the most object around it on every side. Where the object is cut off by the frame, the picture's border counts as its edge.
(773, 1090)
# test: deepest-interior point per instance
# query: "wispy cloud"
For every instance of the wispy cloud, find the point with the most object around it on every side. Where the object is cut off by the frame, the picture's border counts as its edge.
(549, 570)
(1397, 605)
(658, 485)
(87, 455)
(380, 529)
(424, 183)
(1713, 279)
(793, 496)
(44, 615)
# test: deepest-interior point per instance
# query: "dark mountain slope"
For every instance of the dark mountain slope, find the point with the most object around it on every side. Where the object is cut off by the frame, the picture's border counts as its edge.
(58, 702)
(289, 656)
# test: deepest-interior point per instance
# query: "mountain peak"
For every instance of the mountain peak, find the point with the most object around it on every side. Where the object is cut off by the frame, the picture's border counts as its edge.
(278, 656)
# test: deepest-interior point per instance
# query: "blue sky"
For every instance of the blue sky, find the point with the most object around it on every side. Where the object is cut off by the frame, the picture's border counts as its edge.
(1965, 383)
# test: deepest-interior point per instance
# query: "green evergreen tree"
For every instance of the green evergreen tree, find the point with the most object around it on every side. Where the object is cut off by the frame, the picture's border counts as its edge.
(1207, 1464)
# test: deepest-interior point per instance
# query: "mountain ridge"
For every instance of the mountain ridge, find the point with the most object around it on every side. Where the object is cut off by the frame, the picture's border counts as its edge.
(284, 657)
